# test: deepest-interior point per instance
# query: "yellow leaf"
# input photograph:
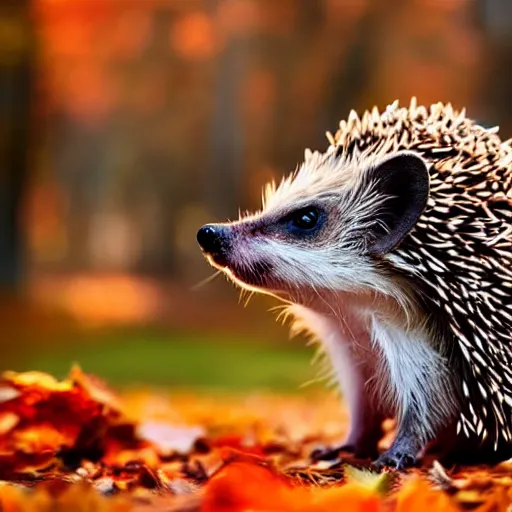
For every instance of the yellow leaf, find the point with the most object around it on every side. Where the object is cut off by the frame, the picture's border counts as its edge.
(378, 482)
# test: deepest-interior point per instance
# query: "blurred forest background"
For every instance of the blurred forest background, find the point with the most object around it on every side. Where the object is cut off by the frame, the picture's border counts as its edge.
(126, 124)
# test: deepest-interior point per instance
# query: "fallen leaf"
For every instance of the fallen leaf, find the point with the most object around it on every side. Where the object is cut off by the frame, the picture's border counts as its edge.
(170, 438)
(417, 495)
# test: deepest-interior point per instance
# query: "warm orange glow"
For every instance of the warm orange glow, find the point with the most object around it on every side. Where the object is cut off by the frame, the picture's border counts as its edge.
(194, 37)
(105, 299)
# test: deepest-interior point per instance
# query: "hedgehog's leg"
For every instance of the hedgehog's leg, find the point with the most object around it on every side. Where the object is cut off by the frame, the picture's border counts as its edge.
(422, 388)
(366, 430)
(366, 416)
(350, 372)
(363, 436)
(408, 443)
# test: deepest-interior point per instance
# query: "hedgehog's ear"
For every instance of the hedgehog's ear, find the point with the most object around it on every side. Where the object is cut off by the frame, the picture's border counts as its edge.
(403, 181)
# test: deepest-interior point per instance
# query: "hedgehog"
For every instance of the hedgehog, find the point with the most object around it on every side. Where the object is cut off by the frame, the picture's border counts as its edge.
(393, 248)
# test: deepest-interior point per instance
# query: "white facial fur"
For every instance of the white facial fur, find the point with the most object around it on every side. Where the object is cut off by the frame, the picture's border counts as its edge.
(336, 259)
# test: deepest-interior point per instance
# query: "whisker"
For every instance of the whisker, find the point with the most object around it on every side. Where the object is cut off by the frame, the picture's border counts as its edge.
(250, 295)
(206, 280)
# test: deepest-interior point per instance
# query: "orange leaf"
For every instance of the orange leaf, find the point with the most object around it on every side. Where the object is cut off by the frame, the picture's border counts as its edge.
(349, 497)
(418, 495)
(241, 485)
(244, 486)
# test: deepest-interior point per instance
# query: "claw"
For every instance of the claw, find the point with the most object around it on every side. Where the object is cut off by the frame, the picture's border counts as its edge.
(396, 460)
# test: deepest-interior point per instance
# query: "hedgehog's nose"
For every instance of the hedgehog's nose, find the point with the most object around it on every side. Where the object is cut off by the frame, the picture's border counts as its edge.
(208, 238)
(213, 240)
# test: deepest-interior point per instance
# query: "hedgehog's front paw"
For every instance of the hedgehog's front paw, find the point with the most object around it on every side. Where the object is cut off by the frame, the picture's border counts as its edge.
(359, 451)
(329, 453)
(395, 459)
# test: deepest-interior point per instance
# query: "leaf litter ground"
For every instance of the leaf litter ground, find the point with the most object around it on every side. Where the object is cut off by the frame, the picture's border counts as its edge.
(76, 445)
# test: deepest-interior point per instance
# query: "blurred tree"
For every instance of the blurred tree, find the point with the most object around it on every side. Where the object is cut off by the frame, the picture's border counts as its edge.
(223, 181)
(16, 88)
(352, 71)
(298, 123)
(495, 17)
(164, 111)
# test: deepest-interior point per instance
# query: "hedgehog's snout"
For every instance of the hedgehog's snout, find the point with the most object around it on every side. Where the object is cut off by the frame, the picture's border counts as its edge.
(214, 240)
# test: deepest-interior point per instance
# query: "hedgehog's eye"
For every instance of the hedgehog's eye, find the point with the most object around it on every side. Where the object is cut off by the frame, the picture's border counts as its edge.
(304, 219)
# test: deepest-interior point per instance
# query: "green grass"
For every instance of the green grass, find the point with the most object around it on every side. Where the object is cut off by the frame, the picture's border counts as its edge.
(162, 359)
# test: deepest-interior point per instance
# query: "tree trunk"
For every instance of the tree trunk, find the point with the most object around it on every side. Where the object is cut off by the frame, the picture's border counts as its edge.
(16, 79)
(495, 19)
(224, 178)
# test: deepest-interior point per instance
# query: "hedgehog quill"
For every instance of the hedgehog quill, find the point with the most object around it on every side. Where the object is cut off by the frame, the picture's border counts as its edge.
(393, 249)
